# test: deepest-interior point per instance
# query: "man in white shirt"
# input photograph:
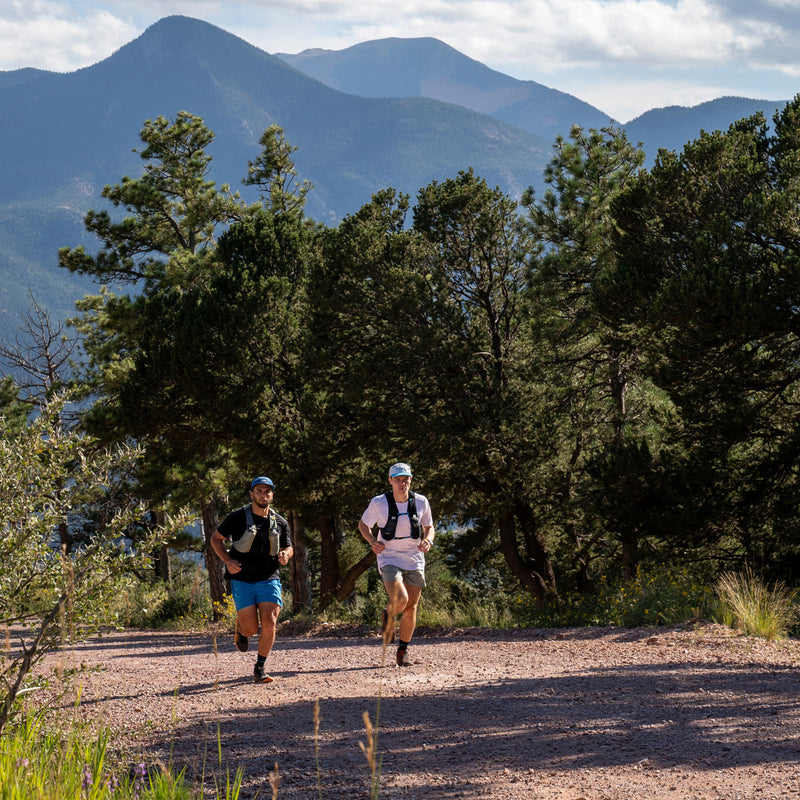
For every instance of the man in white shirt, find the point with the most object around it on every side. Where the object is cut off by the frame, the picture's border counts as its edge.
(405, 534)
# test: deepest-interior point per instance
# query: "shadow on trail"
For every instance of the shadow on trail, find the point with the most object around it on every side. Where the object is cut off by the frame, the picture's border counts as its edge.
(449, 743)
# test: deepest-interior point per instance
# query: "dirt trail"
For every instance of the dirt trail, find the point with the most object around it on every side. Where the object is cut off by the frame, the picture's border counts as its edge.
(593, 714)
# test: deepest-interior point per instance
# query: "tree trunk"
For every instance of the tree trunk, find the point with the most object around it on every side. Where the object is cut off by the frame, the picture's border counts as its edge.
(630, 556)
(301, 584)
(583, 578)
(163, 565)
(530, 578)
(214, 565)
(329, 556)
(618, 384)
(535, 548)
(65, 538)
(619, 389)
(348, 584)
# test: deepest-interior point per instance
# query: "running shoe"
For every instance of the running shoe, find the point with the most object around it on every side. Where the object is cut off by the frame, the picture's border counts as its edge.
(259, 676)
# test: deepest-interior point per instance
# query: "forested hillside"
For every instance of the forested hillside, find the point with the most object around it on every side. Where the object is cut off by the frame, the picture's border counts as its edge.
(72, 134)
(599, 379)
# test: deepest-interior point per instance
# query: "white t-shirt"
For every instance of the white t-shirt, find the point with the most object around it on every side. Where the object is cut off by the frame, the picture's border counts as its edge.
(402, 550)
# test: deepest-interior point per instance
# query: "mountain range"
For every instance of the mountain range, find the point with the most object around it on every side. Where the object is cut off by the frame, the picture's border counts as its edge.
(394, 112)
(430, 68)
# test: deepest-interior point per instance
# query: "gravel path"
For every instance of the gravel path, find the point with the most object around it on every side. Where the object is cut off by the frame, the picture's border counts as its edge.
(692, 713)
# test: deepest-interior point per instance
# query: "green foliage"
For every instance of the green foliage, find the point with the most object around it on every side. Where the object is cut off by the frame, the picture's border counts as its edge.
(595, 399)
(755, 608)
(361, 292)
(608, 381)
(274, 173)
(13, 412)
(482, 391)
(185, 604)
(707, 279)
(141, 347)
(446, 601)
(654, 596)
(175, 207)
(52, 476)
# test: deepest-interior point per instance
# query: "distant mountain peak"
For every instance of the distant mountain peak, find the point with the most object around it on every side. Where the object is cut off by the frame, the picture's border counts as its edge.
(72, 133)
(428, 67)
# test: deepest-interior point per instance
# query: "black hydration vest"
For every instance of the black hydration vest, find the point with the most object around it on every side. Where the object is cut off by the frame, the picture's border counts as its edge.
(388, 531)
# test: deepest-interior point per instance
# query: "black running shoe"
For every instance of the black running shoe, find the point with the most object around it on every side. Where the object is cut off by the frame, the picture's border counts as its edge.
(259, 676)
(241, 642)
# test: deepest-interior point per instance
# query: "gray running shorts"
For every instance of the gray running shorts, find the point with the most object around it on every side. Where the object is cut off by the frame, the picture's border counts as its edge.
(414, 577)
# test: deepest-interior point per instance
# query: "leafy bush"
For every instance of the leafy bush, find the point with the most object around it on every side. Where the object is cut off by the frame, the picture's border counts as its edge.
(185, 605)
(446, 601)
(60, 590)
(656, 595)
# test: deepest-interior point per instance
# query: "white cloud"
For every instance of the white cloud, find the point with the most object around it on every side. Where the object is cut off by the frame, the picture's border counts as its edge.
(668, 48)
(50, 36)
(543, 35)
(554, 34)
(625, 100)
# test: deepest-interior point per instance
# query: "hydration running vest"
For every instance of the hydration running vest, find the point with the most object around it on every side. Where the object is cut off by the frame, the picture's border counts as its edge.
(245, 542)
(388, 531)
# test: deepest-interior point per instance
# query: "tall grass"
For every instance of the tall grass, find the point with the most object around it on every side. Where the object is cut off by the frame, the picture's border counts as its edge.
(748, 604)
(37, 762)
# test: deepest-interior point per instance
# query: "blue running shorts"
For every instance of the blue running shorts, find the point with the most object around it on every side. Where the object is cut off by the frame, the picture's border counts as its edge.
(251, 594)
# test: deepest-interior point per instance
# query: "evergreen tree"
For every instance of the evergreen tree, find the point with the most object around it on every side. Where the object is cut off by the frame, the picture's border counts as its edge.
(710, 262)
(13, 411)
(591, 365)
(480, 397)
(163, 247)
(362, 351)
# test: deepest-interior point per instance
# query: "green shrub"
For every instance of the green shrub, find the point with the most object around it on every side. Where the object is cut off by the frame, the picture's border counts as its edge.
(185, 605)
(446, 601)
(656, 595)
(61, 586)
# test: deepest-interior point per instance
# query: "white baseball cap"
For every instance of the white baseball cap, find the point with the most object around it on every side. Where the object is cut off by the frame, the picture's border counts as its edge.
(399, 469)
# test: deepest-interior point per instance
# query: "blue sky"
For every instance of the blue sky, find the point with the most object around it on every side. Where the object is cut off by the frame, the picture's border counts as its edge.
(622, 56)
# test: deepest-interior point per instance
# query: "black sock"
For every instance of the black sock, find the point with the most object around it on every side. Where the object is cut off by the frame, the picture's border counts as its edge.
(260, 661)
(402, 645)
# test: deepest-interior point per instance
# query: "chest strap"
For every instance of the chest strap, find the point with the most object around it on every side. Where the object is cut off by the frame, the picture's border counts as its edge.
(389, 530)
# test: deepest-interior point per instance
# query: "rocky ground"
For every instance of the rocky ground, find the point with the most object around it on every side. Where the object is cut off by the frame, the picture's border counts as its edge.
(681, 713)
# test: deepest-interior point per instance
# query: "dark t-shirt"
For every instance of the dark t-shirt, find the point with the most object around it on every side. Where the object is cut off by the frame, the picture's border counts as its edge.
(257, 563)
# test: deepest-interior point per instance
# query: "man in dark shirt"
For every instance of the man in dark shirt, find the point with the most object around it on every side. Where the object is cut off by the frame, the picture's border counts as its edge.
(260, 543)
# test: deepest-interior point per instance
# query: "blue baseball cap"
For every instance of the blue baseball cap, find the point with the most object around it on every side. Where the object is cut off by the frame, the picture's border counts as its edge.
(261, 479)
(399, 469)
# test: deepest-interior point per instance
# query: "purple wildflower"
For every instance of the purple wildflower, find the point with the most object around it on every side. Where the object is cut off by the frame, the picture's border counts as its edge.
(140, 773)
(87, 778)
